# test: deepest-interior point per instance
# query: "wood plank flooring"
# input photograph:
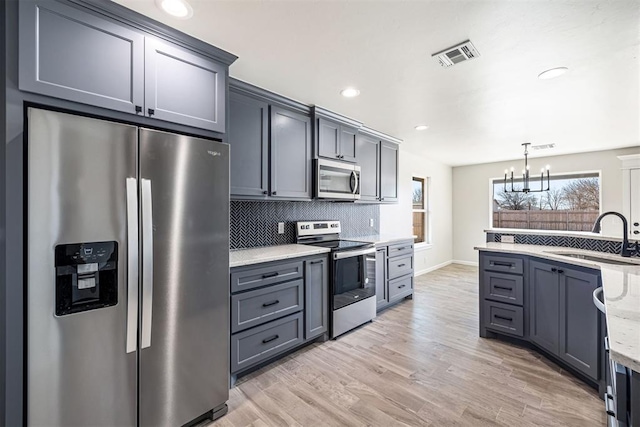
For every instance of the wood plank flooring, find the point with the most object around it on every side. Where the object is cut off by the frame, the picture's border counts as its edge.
(420, 363)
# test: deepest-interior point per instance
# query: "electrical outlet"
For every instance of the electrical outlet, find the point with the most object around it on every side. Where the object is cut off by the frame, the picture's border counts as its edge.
(507, 239)
(370, 222)
(281, 228)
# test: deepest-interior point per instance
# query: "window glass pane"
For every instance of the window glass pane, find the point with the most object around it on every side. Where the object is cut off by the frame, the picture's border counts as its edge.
(418, 226)
(572, 203)
(418, 193)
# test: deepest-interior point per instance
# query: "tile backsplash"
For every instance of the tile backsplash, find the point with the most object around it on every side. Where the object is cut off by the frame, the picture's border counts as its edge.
(597, 245)
(256, 223)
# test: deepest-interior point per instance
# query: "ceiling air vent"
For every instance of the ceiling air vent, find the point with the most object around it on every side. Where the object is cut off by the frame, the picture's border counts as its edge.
(543, 146)
(456, 54)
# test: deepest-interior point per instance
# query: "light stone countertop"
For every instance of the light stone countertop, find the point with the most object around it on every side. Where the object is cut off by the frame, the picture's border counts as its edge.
(382, 239)
(240, 257)
(582, 234)
(621, 295)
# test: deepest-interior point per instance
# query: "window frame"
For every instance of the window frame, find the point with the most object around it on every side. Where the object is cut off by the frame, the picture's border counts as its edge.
(426, 209)
(597, 172)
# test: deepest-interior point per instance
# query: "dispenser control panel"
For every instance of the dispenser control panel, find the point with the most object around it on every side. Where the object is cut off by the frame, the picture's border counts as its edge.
(86, 276)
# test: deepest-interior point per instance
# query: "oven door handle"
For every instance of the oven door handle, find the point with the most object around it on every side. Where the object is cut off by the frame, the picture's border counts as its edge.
(350, 254)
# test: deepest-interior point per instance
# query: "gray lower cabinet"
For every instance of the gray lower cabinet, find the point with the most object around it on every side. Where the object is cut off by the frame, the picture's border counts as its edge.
(544, 306)
(275, 307)
(248, 135)
(545, 302)
(369, 160)
(72, 53)
(290, 154)
(183, 87)
(388, 171)
(316, 309)
(394, 273)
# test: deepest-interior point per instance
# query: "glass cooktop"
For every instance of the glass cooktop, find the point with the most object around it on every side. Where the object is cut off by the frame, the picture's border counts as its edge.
(341, 245)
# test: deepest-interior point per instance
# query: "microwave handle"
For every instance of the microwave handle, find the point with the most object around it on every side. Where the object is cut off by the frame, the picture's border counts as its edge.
(356, 182)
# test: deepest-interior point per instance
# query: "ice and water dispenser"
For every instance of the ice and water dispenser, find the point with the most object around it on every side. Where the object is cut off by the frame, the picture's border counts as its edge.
(86, 276)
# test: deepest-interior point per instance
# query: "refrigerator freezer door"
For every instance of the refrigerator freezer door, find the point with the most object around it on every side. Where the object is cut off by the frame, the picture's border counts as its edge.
(78, 368)
(184, 371)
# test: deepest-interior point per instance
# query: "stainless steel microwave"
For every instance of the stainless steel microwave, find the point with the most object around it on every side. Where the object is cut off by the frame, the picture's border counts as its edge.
(337, 180)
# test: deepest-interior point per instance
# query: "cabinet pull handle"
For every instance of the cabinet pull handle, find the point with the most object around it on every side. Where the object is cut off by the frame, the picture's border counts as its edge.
(401, 265)
(636, 232)
(269, 304)
(316, 262)
(266, 340)
(501, 264)
(381, 198)
(151, 111)
(554, 270)
(138, 109)
(273, 193)
(268, 275)
(401, 249)
(560, 271)
(337, 156)
(265, 192)
(497, 316)
(506, 288)
(401, 286)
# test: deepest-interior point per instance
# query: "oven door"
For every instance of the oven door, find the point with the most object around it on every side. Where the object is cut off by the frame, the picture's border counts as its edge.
(337, 180)
(354, 275)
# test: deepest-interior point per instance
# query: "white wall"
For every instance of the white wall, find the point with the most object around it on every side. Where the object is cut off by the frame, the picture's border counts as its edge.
(471, 193)
(397, 218)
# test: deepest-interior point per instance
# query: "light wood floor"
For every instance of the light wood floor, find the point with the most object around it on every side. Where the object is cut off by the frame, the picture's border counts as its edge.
(419, 363)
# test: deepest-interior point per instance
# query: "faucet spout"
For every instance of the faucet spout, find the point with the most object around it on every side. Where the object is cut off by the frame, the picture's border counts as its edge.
(626, 250)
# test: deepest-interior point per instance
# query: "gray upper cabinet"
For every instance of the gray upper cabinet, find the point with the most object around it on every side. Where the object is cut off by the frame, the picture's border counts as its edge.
(71, 54)
(368, 158)
(86, 54)
(544, 307)
(579, 320)
(316, 297)
(388, 171)
(248, 135)
(328, 138)
(183, 87)
(348, 145)
(290, 154)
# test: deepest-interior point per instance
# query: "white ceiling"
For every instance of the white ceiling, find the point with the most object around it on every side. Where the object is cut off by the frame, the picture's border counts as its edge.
(478, 111)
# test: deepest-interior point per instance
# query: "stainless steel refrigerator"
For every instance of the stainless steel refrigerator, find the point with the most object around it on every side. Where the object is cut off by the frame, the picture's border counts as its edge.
(127, 274)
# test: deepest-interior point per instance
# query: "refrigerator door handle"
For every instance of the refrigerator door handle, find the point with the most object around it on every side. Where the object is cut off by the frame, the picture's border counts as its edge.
(147, 262)
(132, 264)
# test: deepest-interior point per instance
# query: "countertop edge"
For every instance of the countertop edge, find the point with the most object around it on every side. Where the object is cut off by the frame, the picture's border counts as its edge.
(277, 257)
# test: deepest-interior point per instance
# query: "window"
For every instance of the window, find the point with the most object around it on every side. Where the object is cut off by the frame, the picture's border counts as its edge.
(420, 211)
(572, 203)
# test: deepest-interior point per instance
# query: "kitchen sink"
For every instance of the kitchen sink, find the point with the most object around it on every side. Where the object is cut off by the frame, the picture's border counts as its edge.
(595, 258)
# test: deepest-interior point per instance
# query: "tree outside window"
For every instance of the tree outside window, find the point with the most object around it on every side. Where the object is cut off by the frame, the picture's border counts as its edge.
(419, 206)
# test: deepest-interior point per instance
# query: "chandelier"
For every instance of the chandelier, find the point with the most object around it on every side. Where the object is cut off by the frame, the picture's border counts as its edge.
(525, 176)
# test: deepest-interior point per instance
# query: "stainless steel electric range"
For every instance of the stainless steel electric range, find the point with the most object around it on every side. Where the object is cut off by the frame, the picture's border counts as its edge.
(352, 272)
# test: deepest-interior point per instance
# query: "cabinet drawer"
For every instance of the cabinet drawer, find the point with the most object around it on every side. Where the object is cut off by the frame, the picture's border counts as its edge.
(400, 266)
(260, 343)
(251, 278)
(400, 249)
(504, 318)
(400, 288)
(503, 287)
(503, 264)
(256, 307)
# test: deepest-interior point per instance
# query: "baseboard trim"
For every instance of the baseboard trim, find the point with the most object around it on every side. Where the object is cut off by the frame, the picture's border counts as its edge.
(470, 263)
(430, 269)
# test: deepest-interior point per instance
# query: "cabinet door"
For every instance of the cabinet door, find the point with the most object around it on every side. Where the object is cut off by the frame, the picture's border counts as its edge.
(290, 154)
(328, 139)
(348, 145)
(316, 297)
(382, 287)
(544, 307)
(183, 87)
(579, 330)
(368, 159)
(249, 139)
(69, 54)
(388, 171)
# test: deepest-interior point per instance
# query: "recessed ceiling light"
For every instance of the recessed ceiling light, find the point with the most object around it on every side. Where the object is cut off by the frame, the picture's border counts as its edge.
(176, 8)
(350, 92)
(422, 127)
(552, 73)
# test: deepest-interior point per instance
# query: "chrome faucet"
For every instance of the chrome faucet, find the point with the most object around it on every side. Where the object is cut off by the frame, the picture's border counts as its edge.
(627, 249)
